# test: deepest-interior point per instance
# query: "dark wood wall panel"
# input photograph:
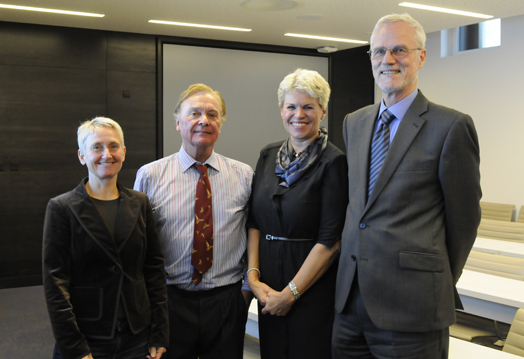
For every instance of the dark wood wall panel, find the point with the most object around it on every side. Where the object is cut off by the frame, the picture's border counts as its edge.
(131, 52)
(35, 45)
(127, 176)
(132, 103)
(22, 208)
(43, 106)
(352, 87)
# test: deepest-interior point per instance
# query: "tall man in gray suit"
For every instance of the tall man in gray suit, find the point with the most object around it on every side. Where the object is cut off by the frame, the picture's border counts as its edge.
(413, 213)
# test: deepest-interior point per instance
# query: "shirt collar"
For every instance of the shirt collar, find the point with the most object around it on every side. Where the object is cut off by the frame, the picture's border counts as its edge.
(187, 161)
(400, 108)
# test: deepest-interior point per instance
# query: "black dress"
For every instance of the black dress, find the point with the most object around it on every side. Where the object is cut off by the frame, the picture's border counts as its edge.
(314, 207)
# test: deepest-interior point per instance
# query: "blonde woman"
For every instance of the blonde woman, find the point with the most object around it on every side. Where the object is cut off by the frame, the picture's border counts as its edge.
(297, 212)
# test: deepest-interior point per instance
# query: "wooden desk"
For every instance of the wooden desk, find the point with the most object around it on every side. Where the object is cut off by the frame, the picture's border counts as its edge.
(461, 349)
(517, 252)
(491, 296)
(497, 246)
(458, 349)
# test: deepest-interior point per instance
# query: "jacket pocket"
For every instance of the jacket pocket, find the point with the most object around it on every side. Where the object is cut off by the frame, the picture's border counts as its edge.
(87, 303)
(428, 262)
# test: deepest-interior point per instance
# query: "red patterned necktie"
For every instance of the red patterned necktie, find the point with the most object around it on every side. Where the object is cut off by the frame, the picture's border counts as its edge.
(202, 256)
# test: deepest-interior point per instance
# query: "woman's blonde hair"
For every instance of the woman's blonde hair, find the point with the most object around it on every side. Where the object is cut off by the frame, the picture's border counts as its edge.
(308, 81)
(89, 127)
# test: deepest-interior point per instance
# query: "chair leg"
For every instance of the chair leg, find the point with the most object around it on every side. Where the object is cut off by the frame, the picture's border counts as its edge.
(496, 340)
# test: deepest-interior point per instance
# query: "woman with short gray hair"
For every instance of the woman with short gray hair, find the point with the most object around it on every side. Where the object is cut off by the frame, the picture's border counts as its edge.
(103, 269)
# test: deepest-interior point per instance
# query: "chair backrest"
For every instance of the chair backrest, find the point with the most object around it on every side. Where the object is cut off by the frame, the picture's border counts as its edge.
(520, 218)
(510, 231)
(515, 340)
(495, 264)
(497, 211)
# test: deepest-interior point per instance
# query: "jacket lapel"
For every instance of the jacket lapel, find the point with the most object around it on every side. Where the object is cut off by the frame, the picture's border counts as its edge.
(407, 132)
(364, 150)
(128, 213)
(85, 211)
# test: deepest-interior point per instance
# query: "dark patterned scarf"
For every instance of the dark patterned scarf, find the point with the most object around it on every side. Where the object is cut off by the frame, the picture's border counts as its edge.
(290, 168)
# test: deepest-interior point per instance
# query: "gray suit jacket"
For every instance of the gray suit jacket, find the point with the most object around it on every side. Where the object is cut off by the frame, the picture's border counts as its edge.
(411, 238)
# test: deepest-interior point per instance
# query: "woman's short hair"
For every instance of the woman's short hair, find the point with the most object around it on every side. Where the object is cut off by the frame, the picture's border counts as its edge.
(200, 88)
(308, 81)
(420, 35)
(89, 127)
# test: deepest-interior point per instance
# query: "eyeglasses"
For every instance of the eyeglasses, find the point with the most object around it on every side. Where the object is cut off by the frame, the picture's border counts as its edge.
(398, 52)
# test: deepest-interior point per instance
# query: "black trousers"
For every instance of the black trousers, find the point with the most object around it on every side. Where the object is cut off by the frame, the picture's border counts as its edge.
(207, 324)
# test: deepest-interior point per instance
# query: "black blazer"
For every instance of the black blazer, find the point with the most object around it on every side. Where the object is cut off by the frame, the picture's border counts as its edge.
(85, 274)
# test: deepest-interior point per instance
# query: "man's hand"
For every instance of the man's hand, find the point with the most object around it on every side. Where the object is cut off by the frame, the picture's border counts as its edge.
(279, 303)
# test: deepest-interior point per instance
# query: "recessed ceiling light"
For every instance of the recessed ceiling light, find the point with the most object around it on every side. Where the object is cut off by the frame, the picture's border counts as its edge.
(271, 5)
(326, 38)
(198, 25)
(327, 49)
(55, 11)
(441, 9)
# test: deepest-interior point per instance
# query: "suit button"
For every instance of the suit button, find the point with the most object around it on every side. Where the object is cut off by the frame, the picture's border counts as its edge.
(362, 225)
(354, 257)
(115, 269)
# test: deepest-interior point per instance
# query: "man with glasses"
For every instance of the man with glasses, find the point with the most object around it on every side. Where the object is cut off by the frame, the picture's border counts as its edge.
(413, 213)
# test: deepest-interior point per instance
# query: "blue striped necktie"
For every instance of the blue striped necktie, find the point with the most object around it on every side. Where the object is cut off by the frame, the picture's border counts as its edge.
(379, 148)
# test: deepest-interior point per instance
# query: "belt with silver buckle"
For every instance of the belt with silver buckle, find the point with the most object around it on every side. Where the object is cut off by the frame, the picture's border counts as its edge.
(269, 237)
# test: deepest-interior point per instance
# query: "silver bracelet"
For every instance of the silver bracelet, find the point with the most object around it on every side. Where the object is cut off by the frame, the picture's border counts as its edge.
(294, 290)
(258, 270)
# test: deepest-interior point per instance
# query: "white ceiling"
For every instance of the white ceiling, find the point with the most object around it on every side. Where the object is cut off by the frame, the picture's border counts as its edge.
(352, 19)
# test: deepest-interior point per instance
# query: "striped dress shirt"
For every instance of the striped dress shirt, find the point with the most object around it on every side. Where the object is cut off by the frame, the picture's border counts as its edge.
(170, 183)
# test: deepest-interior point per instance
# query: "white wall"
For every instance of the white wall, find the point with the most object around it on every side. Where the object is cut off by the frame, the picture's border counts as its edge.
(487, 84)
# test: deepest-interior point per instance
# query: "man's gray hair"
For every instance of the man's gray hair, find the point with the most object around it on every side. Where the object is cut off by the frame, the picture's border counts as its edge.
(420, 35)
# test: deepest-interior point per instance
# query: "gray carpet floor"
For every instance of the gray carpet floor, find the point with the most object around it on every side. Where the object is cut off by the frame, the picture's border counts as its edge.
(25, 331)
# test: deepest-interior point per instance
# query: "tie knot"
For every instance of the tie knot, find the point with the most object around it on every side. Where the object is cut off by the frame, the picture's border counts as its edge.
(387, 117)
(201, 168)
